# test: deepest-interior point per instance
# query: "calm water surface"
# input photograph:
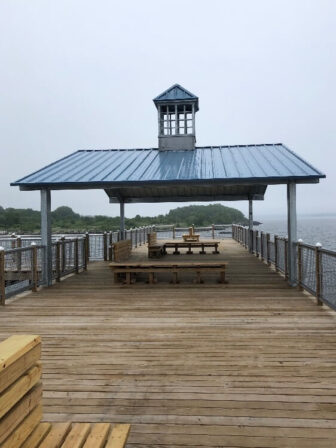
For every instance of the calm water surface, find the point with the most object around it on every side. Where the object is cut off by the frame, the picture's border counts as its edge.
(311, 230)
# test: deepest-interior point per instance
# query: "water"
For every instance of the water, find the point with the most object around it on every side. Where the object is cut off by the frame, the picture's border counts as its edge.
(311, 230)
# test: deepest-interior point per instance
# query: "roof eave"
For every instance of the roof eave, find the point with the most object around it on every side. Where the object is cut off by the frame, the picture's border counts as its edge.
(232, 181)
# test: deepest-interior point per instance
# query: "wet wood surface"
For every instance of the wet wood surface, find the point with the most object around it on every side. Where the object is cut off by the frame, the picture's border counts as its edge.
(248, 364)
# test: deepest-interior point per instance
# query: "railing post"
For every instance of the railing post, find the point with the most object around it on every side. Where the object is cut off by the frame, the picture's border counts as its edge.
(256, 245)
(136, 237)
(286, 258)
(299, 262)
(110, 246)
(276, 253)
(34, 267)
(76, 255)
(105, 245)
(318, 273)
(213, 231)
(2, 276)
(13, 242)
(261, 246)
(58, 261)
(63, 254)
(268, 241)
(84, 254)
(19, 254)
(87, 248)
(174, 232)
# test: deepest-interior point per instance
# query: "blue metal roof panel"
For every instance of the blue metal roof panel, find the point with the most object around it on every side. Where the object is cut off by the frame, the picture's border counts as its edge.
(221, 163)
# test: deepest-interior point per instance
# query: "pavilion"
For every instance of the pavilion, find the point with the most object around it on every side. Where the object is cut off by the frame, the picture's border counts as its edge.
(176, 171)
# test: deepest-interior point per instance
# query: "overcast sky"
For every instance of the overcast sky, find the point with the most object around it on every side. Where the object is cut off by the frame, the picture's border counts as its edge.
(79, 74)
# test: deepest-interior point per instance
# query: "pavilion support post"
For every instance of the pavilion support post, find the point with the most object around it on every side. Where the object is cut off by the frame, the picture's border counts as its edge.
(250, 240)
(46, 236)
(122, 220)
(292, 234)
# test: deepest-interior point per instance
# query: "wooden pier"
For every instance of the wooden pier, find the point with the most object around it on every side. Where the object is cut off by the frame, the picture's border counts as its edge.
(246, 364)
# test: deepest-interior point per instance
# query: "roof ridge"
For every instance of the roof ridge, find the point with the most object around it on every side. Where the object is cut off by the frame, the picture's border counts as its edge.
(189, 94)
(197, 147)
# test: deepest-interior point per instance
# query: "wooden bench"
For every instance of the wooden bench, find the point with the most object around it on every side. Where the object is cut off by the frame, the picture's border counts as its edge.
(191, 236)
(122, 250)
(21, 406)
(190, 245)
(155, 250)
(126, 272)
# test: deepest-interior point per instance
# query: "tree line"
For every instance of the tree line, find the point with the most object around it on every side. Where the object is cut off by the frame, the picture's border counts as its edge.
(64, 219)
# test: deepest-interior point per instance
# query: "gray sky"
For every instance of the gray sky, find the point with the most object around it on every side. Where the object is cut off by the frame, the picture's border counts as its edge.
(79, 74)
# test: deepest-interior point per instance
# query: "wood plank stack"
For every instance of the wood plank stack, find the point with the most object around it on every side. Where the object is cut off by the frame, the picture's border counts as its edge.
(20, 389)
(21, 406)
(122, 250)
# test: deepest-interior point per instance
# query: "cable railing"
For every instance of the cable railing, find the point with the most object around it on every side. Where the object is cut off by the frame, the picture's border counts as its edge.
(215, 231)
(99, 245)
(22, 268)
(316, 267)
(22, 258)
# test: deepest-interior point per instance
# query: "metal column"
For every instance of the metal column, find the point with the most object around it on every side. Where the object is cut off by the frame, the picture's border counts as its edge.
(46, 236)
(122, 220)
(250, 225)
(292, 233)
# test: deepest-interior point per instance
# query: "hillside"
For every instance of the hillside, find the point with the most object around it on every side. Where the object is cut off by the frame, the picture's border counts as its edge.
(65, 219)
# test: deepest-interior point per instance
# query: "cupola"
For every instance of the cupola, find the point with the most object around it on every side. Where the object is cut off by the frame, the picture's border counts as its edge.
(176, 118)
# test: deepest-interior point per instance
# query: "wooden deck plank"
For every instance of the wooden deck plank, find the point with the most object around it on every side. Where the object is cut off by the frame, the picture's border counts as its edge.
(77, 436)
(98, 435)
(36, 437)
(56, 435)
(119, 436)
(24, 429)
(248, 364)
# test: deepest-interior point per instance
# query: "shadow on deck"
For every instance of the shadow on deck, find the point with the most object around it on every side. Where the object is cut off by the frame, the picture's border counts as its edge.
(248, 364)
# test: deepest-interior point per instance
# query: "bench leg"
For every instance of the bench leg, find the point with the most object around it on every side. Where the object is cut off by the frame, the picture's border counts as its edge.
(175, 278)
(216, 251)
(189, 251)
(176, 251)
(151, 278)
(198, 277)
(128, 278)
(116, 278)
(222, 277)
(202, 252)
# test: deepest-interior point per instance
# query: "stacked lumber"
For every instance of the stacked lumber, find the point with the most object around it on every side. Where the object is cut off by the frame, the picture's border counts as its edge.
(78, 435)
(20, 389)
(21, 406)
(122, 250)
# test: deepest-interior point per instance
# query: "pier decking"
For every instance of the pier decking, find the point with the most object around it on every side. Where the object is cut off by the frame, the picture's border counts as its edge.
(247, 364)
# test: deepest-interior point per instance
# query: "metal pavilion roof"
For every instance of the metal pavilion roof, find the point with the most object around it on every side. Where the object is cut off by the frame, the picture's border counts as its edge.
(206, 173)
